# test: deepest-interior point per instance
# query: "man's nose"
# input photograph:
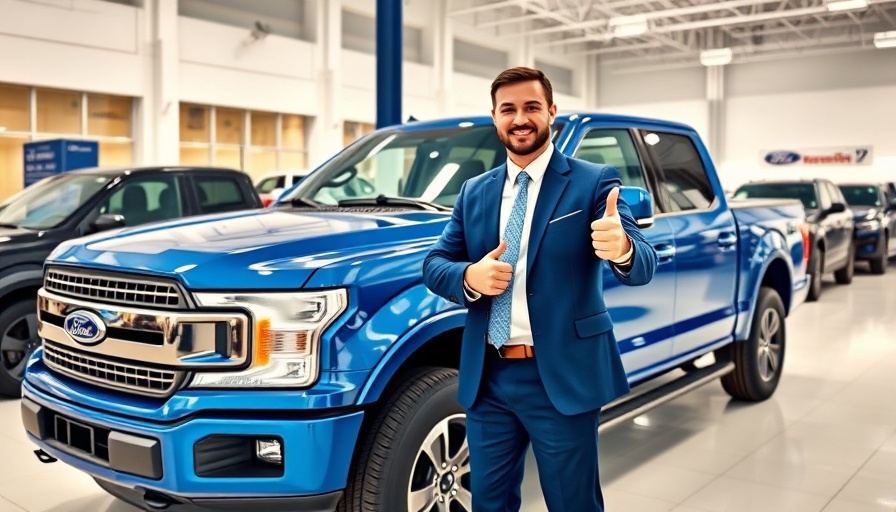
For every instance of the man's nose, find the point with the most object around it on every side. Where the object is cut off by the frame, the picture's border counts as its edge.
(520, 119)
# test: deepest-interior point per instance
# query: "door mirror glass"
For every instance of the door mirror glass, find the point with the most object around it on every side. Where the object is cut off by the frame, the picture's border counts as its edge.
(108, 221)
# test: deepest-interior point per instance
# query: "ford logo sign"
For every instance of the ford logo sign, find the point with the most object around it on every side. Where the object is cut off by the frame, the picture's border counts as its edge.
(85, 327)
(782, 157)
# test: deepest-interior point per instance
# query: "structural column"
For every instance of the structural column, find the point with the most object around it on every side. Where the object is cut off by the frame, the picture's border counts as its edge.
(327, 131)
(715, 99)
(157, 127)
(442, 48)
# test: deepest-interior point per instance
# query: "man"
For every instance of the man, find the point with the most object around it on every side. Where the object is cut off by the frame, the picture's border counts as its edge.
(538, 357)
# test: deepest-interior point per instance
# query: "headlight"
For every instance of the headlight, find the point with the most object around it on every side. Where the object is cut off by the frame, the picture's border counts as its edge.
(868, 225)
(286, 342)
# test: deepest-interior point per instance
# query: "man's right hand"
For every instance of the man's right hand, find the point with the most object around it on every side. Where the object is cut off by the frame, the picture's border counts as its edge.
(490, 276)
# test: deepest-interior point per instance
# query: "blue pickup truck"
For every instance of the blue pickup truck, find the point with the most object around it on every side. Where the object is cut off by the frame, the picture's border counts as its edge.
(292, 359)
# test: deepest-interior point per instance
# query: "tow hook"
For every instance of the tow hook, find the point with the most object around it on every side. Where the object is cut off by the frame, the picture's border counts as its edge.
(44, 457)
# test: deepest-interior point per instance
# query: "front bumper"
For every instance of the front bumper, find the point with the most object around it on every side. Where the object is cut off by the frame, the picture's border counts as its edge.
(139, 460)
(868, 244)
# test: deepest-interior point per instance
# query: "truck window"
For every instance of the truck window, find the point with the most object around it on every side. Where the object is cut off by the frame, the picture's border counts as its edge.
(685, 177)
(613, 147)
(219, 194)
(824, 197)
(143, 200)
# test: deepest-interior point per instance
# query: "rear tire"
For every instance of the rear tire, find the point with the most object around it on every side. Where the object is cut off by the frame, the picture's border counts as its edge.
(844, 275)
(879, 264)
(759, 360)
(416, 451)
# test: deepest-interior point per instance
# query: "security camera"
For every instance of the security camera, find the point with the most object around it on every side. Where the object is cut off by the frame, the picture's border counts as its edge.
(260, 30)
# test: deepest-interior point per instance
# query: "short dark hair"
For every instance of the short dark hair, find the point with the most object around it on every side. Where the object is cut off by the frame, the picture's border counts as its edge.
(523, 74)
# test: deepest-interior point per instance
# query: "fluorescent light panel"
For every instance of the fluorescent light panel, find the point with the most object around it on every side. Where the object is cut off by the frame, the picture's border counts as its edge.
(885, 39)
(716, 57)
(846, 5)
(628, 26)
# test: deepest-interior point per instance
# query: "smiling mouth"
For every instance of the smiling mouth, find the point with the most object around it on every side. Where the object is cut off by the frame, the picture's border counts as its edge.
(522, 132)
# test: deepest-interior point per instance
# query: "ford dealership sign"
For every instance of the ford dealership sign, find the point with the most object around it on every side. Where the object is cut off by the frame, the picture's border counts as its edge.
(85, 327)
(852, 155)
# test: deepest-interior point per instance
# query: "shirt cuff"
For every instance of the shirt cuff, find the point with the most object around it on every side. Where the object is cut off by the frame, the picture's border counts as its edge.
(624, 263)
(471, 294)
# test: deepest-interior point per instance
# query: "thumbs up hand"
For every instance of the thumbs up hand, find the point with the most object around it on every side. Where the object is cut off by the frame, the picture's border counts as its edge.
(490, 276)
(607, 235)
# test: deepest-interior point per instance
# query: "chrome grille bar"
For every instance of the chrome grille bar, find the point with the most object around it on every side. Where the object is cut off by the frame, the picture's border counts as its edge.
(114, 287)
(111, 374)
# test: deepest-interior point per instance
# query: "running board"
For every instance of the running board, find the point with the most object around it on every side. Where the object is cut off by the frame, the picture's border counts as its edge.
(629, 408)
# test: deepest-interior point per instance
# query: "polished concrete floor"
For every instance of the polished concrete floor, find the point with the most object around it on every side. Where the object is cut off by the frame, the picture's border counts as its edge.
(826, 441)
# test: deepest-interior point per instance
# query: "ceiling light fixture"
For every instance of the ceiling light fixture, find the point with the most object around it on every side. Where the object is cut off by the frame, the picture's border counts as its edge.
(628, 26)
(716, 57)
(885, 39)
(846, 5)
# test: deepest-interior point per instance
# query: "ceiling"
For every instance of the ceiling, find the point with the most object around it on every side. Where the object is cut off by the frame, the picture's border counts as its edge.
(678, 30)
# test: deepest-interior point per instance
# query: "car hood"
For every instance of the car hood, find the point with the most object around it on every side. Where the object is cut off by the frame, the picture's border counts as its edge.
(12, 235)
(264, 249)
(864, 212)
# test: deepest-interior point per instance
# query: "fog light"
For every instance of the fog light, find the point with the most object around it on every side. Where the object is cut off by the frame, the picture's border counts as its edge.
(269, 450)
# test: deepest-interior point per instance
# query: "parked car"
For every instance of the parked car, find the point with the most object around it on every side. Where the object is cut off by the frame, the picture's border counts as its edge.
(271, 185)
(78, 203)
(875, 223)
(320, 372)
(830, 225)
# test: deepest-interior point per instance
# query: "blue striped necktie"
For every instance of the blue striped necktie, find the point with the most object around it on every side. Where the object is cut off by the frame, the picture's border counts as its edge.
(499, 321)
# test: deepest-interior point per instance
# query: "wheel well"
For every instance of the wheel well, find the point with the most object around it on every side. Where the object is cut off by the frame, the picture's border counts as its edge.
(777, 277)
(441, 351)
(26, 293)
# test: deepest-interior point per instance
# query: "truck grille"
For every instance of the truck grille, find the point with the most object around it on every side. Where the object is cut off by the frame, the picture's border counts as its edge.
(115, 288)
(111, 374)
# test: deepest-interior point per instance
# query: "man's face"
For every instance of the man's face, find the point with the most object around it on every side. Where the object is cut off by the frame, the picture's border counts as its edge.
(523, 117)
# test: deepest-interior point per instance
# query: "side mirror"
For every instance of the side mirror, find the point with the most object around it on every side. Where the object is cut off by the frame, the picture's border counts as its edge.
(891, 206)
(108, 221)
(837, 208)
(640, 203)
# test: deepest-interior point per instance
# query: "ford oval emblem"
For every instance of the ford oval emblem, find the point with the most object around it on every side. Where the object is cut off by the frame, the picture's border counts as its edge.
(782, 157)
(85, 327)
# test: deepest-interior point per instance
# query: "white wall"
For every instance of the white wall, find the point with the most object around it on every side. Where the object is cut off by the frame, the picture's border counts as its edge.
(818, 102)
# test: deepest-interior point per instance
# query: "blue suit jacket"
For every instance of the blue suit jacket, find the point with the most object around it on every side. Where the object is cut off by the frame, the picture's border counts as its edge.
(576, 352)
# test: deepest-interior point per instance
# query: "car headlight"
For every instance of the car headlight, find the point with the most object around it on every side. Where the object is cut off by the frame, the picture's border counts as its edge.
(286, 342)
(868, 225)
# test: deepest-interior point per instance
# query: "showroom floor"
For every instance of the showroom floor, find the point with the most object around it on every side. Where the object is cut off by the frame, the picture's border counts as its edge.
(826, 441)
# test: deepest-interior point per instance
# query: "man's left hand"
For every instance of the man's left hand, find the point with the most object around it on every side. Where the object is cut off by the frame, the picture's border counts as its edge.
(607, 235)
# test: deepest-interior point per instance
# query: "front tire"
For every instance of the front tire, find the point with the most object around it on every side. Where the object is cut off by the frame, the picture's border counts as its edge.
(817, 272)
(415, 457)
(759, 359)
(879, 264)
(18, 339)
(844, 275)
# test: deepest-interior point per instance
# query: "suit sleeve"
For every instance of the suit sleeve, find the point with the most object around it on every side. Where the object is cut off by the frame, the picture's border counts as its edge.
(444, 266)
(644, 262)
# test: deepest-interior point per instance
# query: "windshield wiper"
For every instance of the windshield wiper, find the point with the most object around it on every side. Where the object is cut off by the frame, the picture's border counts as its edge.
(383, 200)
(4, 225)
(304, 201)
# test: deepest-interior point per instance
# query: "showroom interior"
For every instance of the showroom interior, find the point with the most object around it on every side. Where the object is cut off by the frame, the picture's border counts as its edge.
(283, 85)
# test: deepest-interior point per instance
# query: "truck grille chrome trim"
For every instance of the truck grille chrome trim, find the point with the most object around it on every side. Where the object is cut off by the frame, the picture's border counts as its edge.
(111, 374)
(115, 288)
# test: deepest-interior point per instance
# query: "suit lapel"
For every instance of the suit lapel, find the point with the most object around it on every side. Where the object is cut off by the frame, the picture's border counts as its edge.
(555, 181)
(491, 201)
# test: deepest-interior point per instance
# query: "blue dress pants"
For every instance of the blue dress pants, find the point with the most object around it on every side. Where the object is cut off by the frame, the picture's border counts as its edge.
(512, 411)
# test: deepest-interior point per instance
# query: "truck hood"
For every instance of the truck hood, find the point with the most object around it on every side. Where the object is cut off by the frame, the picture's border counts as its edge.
(863, 213)
(269, 249)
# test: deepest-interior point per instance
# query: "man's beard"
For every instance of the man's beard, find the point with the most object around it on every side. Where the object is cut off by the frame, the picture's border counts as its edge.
(541, 137)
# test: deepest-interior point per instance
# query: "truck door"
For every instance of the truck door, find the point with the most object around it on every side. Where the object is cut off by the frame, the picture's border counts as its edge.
(642, 315)
(705, 242)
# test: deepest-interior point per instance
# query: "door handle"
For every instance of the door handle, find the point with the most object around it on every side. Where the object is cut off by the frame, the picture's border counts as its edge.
(664, 252)
(727, 239)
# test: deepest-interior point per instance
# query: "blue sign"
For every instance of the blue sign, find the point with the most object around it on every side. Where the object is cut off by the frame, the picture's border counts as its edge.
(85, 327)
(50, 157)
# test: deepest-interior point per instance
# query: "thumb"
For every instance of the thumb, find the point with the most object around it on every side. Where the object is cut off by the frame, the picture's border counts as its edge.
(495, 254)
(612, 198)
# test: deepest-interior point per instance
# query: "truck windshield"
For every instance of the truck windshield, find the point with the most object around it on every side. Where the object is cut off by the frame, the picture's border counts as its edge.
(805, 192)
(50, 201)
(424, 165)
(861, 195)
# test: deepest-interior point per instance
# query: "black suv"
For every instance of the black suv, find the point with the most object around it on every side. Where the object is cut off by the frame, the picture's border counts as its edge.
(830, 220)
(77, 203)
(875, 217)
